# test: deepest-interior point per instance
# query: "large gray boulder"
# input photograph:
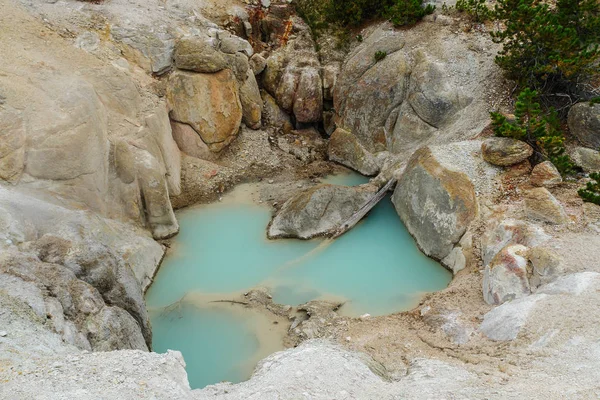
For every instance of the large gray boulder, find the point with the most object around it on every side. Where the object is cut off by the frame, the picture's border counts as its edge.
(437, 204)
(251, 101)
(584, 123)
(318, 210)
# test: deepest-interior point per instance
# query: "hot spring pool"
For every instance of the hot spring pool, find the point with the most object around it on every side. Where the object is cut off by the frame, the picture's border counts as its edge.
(222, 250)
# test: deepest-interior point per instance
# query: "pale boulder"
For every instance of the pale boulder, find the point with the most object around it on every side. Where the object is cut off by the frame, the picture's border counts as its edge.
(505, 152)
(436, 204)
(541, 205)
(318, 210)
(505, 277)
(209, 103)
(545, 175)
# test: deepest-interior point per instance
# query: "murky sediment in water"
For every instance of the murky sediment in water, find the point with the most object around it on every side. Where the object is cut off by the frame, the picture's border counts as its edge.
(222, 250)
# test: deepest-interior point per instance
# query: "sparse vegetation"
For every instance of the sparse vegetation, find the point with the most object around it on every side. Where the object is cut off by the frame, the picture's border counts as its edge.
(477, 10)
(380, 55)
(542, 131)
(591, 193)
(321, 14)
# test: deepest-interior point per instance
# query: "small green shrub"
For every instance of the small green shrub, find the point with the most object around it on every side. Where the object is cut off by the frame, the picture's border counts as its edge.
(591, 193)
(542, 132)
(323, 14)
(552, 49)
(407, 12)
(477, 10)
(380, 55)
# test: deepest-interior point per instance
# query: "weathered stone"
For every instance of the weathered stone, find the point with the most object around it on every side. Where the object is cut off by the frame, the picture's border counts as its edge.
(345, 149)
(584, 123)
(251, 101)
(330, 76)
(505, 278)
(198, 55)
(504, 323)
(541, 205)
(155, 194)
(436, 204)
(505, 151)
(545, 174)
(364, 107)
(292, 77)
(190, 142)
(546, 264)
(208, 103)
(257, 64)
(150, 47)
(432, 97)
(587, 159)
(274, 115)
(238, 63)
(317, 211)
(509, 232)
(308, 101)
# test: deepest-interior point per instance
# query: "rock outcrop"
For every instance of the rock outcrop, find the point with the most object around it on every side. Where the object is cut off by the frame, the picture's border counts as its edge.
(292, 76)
(317, 211)
(584, 123)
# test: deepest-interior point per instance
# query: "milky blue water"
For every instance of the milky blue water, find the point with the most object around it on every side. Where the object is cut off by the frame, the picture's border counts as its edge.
(375, 268)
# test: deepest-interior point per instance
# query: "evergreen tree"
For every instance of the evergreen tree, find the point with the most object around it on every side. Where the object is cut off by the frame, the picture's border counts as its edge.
(550, 49)
(541, 131)
(591, 193)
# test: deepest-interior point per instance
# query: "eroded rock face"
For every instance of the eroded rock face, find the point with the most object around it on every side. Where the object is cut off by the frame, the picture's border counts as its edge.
(292, 77)
(12, 146)
(76, 308)
(584, 123)
(318, 210)
(345, 148)
(436, 204)
(505, 277)
(541, 205)
(209, 103)
(545, 175)
(505, 152)
(251, 101)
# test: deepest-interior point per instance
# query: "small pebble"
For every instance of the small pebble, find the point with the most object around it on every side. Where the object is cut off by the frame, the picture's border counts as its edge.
(3, 333)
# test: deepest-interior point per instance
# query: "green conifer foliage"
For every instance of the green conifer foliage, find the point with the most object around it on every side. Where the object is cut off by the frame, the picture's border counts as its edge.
(541, 131)
(591, 193)
(550, 49)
